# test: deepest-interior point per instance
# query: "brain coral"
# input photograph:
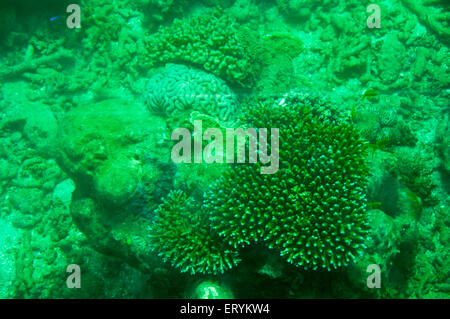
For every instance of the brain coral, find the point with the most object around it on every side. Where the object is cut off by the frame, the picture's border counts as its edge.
(179, 89)
(313, 209)
(210, 41)
(181, 236)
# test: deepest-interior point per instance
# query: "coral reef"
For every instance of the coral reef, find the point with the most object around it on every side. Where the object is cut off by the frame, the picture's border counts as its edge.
(301, 9)
(209, 41)
(313, 209)
(245, 10)
(433, 14)
(443, 139)
(104, 146)
(177, 90)
(415, 169)
(380, 121)
(391, 63)
(180, 234)
(276, 52)
(164, 7)
(84, 169)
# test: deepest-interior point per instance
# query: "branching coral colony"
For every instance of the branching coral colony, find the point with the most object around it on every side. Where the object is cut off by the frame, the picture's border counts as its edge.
(180, 236)
(313, 210)
(208, 41)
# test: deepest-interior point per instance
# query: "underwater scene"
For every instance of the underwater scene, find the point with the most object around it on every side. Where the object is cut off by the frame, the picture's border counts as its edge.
(224, 149)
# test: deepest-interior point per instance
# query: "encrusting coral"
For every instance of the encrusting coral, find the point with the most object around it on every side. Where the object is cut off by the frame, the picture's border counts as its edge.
(313, 209)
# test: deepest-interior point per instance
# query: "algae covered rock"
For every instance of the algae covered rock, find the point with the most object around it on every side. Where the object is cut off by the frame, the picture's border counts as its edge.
(36, 120)
(62, 193)
(41, 127)
(433, 14)
(391, 62)
(7, 170)
(120, 241)
(443, 139)
(106, 147)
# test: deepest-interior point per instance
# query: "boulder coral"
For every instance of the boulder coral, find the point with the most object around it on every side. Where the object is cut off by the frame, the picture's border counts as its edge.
(104, 146)
(178, 90)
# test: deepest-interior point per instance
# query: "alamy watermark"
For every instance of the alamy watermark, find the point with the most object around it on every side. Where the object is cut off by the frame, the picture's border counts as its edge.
(374, 20)
(374, 279)
(74, 19)
(214, 151)
(74, 279)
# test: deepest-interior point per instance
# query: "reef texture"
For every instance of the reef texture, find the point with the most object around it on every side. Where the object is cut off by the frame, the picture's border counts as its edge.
(434, 14)
(82, 175)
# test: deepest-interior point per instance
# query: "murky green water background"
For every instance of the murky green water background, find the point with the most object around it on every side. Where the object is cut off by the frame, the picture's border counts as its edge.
(89, 99)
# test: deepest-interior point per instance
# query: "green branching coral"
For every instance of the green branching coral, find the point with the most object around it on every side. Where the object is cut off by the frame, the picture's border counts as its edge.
(181, 236)
(313, 209)
(207, 40)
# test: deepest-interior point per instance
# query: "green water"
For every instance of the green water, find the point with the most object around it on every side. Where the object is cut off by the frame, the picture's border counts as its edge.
(108, 190)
